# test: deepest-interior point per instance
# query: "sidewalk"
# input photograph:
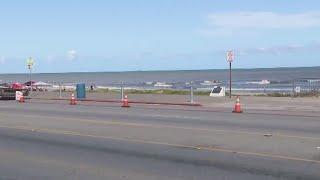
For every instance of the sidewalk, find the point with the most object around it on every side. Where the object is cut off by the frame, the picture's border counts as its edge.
(306, 104)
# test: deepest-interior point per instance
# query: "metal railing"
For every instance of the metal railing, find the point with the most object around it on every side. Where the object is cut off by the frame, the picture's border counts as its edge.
(291, 87)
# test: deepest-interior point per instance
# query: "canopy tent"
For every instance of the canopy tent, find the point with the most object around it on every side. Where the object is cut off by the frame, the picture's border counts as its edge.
(41, 84)
(17, 85)
(29, 83)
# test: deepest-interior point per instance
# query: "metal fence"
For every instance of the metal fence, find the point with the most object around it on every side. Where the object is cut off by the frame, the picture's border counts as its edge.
(293, 87)
(306, 85)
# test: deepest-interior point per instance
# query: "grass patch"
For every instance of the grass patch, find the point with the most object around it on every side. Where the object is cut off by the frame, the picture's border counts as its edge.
(303, 94)
(276, 94)
(197, 93)
(308, 94)
(104, 91)
(154, 91)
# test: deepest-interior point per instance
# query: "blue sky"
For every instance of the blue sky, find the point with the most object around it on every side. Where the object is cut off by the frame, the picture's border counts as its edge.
(126, 35)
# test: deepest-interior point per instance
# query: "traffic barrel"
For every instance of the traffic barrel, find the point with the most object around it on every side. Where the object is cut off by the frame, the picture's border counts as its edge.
(73, 100)
(125, 102)
(237, 107)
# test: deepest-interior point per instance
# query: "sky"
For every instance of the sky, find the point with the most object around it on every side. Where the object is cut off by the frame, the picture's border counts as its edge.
(126, 35)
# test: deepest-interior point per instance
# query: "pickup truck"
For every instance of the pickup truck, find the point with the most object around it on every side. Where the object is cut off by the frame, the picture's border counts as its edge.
(10, 94)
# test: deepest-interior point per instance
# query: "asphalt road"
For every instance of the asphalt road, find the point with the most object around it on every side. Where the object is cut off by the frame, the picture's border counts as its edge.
(53, 140)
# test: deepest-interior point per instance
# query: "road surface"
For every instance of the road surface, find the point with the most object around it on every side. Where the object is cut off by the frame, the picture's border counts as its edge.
(54, 140)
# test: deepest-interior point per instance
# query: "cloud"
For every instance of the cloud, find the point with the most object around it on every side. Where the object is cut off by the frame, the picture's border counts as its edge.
(143, 55)
(51, 59)
(227, 24)
(215, 32)
(2, 60)
(72, 55)
(278, 50)
(240, 20)
(69, 56)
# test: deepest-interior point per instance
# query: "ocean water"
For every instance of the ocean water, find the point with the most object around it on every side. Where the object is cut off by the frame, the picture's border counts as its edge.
(280, 77)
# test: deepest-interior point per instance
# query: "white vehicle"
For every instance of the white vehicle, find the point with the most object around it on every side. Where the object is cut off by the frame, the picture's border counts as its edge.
(218, 91)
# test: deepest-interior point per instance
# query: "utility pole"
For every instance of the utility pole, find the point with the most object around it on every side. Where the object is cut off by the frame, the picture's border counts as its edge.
(191, 93)
(230, 57)
(30, 63)
(122, 91)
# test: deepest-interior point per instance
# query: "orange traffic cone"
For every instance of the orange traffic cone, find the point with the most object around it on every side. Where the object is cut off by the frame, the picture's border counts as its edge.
(73, 100)
(237, 107)
(21, 99)
(125, 102)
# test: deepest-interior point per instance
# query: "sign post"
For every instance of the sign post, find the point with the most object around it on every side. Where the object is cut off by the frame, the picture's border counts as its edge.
(122, 91)
(191, 93)
(230, 58)
(30, 64)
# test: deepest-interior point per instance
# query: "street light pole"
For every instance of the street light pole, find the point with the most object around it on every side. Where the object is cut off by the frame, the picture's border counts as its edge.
(30, 75)
(122, 91)
(191, 93)
(230, 79)
(230, 58)
(30, 63)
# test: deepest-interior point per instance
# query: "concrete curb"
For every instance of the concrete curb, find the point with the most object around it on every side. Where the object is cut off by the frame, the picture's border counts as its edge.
(119, 101)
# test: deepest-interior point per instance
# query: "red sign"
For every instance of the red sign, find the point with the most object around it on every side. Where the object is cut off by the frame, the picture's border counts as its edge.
(230, 56)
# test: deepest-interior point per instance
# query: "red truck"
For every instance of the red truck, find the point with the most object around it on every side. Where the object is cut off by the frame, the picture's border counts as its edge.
(8, 91)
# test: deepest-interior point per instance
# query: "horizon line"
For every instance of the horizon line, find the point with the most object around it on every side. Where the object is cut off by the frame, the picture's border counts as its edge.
(163, 70)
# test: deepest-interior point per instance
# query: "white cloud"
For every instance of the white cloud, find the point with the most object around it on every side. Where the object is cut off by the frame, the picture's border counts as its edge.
(2, 60)
(215, 32)
(228, 24)
(277, 50)
(72, 55)
(143, 55)
(51, 58)
(239, 20)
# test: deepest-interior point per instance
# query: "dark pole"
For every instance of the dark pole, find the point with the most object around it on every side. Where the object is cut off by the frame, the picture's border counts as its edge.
(30, 74)
(230, 79)
(30, 77)
(191, 92)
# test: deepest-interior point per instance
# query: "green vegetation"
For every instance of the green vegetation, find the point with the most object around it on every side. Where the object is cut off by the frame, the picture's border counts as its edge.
(303, 94)
(155, 91)
(199, 93)
(308, 94)
(276, 94)
(103, 91)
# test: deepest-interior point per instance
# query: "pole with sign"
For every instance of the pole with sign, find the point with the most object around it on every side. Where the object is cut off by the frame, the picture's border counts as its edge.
(30, 64)
(230, 58)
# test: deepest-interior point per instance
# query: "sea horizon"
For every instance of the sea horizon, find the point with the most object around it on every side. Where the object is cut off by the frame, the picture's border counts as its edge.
(179, 78)
(168, 70)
